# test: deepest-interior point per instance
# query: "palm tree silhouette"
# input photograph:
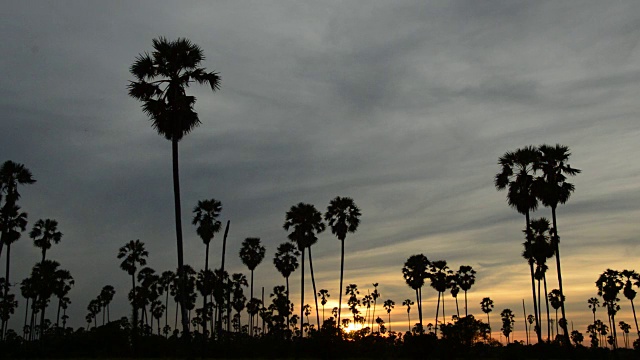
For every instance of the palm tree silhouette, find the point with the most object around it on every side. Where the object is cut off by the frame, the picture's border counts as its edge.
(466, 277)
(609, 285)
(160, 82)
(408, 303)
(631, 278)
(374, 297)
(164, 282)
(389, 305)
(64, 283)
(343, 216)
(486, 305)
(593, 304)
(538, 250)
(44, 233)
(251, 254)
(239, 300)
(454, 288)
(14, 223)
(106, 296)
(440, 276)
(516, 175)
(324, 295)
(134, 255)
(415, 273)
(555, 298)
(205, 217)
(286, 261)
(11, 175)
(28, 291)
(552, 189)
(306, 222)
(507, 323)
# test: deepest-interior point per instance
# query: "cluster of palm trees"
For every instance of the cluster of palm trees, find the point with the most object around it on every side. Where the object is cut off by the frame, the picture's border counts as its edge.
(46, 279)
(418, 269)
(534, 175)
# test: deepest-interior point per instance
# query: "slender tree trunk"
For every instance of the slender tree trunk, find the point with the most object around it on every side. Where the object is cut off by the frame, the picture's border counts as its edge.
(26, 315)
(635, 318)
(302, 294)
(263, 306)
(466, 308)
(108, 313)
(409, 320)
(457, 308)
(166, 309)
(288, 315)
(58, 313)
(557, 332)
(315, 292)
(341, 277)
(204, 297)
(389, 322)
(526, 329)
(178, 216)
(533, 284)
(251, 315)
(419, 296)
(562, 297)
(6, 283)
(444, 317)
(224, 250)
(539, 306)
(613, 329)
(437, 312)
(489, 324)
(133, 303)
(546, 299)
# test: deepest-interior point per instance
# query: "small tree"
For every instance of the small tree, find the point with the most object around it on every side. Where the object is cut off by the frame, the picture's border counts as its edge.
(507, 323)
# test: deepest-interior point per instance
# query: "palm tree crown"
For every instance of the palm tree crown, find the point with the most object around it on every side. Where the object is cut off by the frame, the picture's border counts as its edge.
(133, 253)
(44, 233)
(517, 175)
(306, 222)
(342, 216)
(206, 219)
(286, 259)
(252, 253)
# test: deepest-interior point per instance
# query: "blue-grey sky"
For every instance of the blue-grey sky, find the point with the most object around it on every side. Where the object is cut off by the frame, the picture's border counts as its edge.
(404, 106)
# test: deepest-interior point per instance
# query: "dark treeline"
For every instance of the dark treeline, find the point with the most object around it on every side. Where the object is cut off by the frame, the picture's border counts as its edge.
(221, 314)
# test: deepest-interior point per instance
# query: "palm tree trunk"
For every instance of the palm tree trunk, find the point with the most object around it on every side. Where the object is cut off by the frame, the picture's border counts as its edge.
(58, 313)
(166, 309)
(302, 294)
(539, 307)
(437, 312)
(224, 250)
(457, 308)
(409, 321)
(6, 283)
(288, 315)
(419, 296)
(251, 315)
(613, 329)
(524, 316)
(178, 216)
(466, 308)
(533, 284)
(133, 303)
(204, 297)
(635, 318)
(546, 299)
(444, 317)
(489, 324)
(562, 298)
(315, 292)
(26, 315)
(341, 277)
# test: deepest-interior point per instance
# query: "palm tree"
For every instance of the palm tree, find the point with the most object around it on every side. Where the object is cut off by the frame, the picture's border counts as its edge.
(415, 273)
(134, 255)
(593, 304)
(14, 223)
(164, 282)
(11, 175)
(251, 254)
(609, 285)
(631, 278)
(160, 82)
(555, 298)
(507, 323)
(374, 297)
(206, 219)
(106, 296)
(324, 295)
(28, 291)
(44, 233)
(343, 216)
(408, 303)
(486, 305)
(516, 174)
(454, 288)
(389, 305)
(552, 189)
(440, 275)
(538, 250)
(239, 300)
(64, 283)
(306, 222)
(286, 262)
(466, 277)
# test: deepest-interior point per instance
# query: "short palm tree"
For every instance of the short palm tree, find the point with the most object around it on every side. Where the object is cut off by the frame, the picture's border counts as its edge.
(555, 299)
(415, 273)
(609, 284)
(486, 305)
(408, 303)
(106, 296)
(44, 233)
(161, 79)
(389, 305)
(64, 283)
(440, 275)
(593, 304)
(552, 189)
(343, 216)
(14, 223)
(134, 255)
(324, 295)
(251, 254)
(454, 288)
(507, 323)
(305, 222)
(540, 249)
(516, 175)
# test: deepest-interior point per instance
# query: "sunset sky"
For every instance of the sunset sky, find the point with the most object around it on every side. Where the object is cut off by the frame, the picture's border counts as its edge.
(405, 106)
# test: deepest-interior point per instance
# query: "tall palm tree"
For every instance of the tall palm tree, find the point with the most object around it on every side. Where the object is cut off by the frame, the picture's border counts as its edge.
(552, 189)
(14, 223)
(486, 305)
(454, 288)
(440, 275)
(12, 174)
(134, 255)
(541, 248)
(44, 233)
(555, 299)
(516, 175)
(305, 222)
(631, 278)
(343, 216)
(161, 79)
(206, 219)
(415, 273)
(408, 303)
(251, 254)
(466, 277)
(106, 295)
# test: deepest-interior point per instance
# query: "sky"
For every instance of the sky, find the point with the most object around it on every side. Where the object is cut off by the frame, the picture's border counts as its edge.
(404, 106)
